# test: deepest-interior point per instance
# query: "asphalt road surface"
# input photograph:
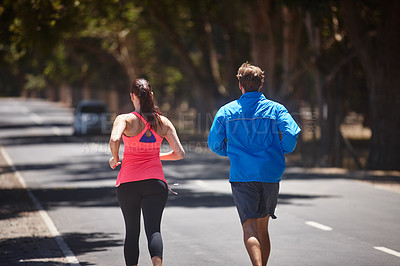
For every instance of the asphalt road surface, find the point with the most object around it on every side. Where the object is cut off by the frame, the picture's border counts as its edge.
(323, 219)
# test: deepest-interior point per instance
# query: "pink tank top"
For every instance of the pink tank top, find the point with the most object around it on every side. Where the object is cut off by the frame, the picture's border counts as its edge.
(141, 158)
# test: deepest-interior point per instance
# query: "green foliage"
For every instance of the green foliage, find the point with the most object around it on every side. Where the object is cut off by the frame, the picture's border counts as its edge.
(38, 24)
(82, 42)
(34, 82)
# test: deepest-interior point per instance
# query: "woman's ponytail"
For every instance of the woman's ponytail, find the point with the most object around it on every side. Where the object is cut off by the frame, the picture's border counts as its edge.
(148, 108)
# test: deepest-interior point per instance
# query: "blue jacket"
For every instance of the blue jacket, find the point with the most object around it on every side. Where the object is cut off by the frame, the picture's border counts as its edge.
(247, 131)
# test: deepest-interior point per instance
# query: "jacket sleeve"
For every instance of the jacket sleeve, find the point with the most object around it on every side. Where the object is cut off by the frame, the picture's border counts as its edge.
(289, 129)
(217, 136)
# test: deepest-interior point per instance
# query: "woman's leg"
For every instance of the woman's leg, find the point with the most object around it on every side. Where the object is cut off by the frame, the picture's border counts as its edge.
(153, 203)
(129, 200)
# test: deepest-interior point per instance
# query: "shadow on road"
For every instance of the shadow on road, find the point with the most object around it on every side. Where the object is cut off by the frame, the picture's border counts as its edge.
(345, 174)
(32, 251)
(288, 198)
(105, 197)
(13, 202)
(81, 243)
(44, 250)
(51, 139)
(33, 125)
(191, 199)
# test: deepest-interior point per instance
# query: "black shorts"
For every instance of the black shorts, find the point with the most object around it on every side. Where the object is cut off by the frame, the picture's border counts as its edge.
(255, 199)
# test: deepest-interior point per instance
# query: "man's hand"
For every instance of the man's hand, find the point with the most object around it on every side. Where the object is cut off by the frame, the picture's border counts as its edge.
(113, 163)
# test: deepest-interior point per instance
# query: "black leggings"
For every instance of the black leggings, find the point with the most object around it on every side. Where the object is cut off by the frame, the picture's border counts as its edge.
(150, 196)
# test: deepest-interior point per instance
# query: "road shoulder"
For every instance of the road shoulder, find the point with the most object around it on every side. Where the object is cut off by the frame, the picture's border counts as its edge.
(24, 237)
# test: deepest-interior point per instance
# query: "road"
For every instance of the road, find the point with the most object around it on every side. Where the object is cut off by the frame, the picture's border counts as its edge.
(323, 219)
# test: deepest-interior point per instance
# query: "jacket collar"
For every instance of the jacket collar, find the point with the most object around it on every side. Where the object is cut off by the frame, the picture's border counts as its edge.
(252, 94)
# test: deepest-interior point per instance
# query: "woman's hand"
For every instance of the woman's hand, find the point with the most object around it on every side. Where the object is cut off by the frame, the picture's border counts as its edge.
(113, 163)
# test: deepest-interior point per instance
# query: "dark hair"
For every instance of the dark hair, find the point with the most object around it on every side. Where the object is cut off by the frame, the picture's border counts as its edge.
(250, 77)
(148, 108)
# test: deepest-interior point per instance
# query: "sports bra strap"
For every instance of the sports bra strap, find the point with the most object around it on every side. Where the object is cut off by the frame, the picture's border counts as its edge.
(141, 117)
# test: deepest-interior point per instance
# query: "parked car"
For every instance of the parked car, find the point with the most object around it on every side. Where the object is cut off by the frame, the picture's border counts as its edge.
(91, 117)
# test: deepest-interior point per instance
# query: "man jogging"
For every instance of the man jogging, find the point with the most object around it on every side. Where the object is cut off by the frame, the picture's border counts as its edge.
(254, 133)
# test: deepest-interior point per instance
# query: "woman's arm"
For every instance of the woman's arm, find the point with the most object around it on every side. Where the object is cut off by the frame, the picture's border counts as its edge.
(177, 152)
(119, 127)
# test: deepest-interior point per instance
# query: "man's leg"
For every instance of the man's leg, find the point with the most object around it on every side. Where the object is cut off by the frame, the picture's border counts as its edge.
(251, 242)
(263, 237)
(256, 240)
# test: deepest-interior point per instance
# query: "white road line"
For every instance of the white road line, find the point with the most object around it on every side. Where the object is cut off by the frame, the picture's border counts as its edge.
(24, 109)
(319, 226)
(68, 254)
(42, 260)
(37, 119)
(10, 163)
(56, 131)
(389, 251)
(201, 183)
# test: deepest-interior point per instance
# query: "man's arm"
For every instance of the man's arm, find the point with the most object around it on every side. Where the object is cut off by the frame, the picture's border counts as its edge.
(289, 129)
(217, 136)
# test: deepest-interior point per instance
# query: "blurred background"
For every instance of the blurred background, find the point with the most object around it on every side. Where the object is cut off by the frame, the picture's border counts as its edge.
(333, 64)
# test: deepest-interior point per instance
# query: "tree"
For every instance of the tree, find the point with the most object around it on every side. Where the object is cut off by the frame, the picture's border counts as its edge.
(264, 18)
(191, 28)
(83, 44)
(28, 32)
(372, 27)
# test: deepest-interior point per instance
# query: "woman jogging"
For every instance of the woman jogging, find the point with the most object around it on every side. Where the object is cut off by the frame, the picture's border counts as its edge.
(141, 185)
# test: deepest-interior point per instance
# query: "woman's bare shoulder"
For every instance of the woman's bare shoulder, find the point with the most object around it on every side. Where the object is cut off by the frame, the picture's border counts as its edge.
(166, 125)
(127, 117)
(165, 121)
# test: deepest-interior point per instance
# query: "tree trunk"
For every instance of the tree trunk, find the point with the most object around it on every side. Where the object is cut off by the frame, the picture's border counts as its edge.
(262, 39)
(213, 58)
(86, 92)
(320, 88)
(66, 95)
(380, 58)
(51, 93)
(291, 36)
(206, 77)
(124, 57)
